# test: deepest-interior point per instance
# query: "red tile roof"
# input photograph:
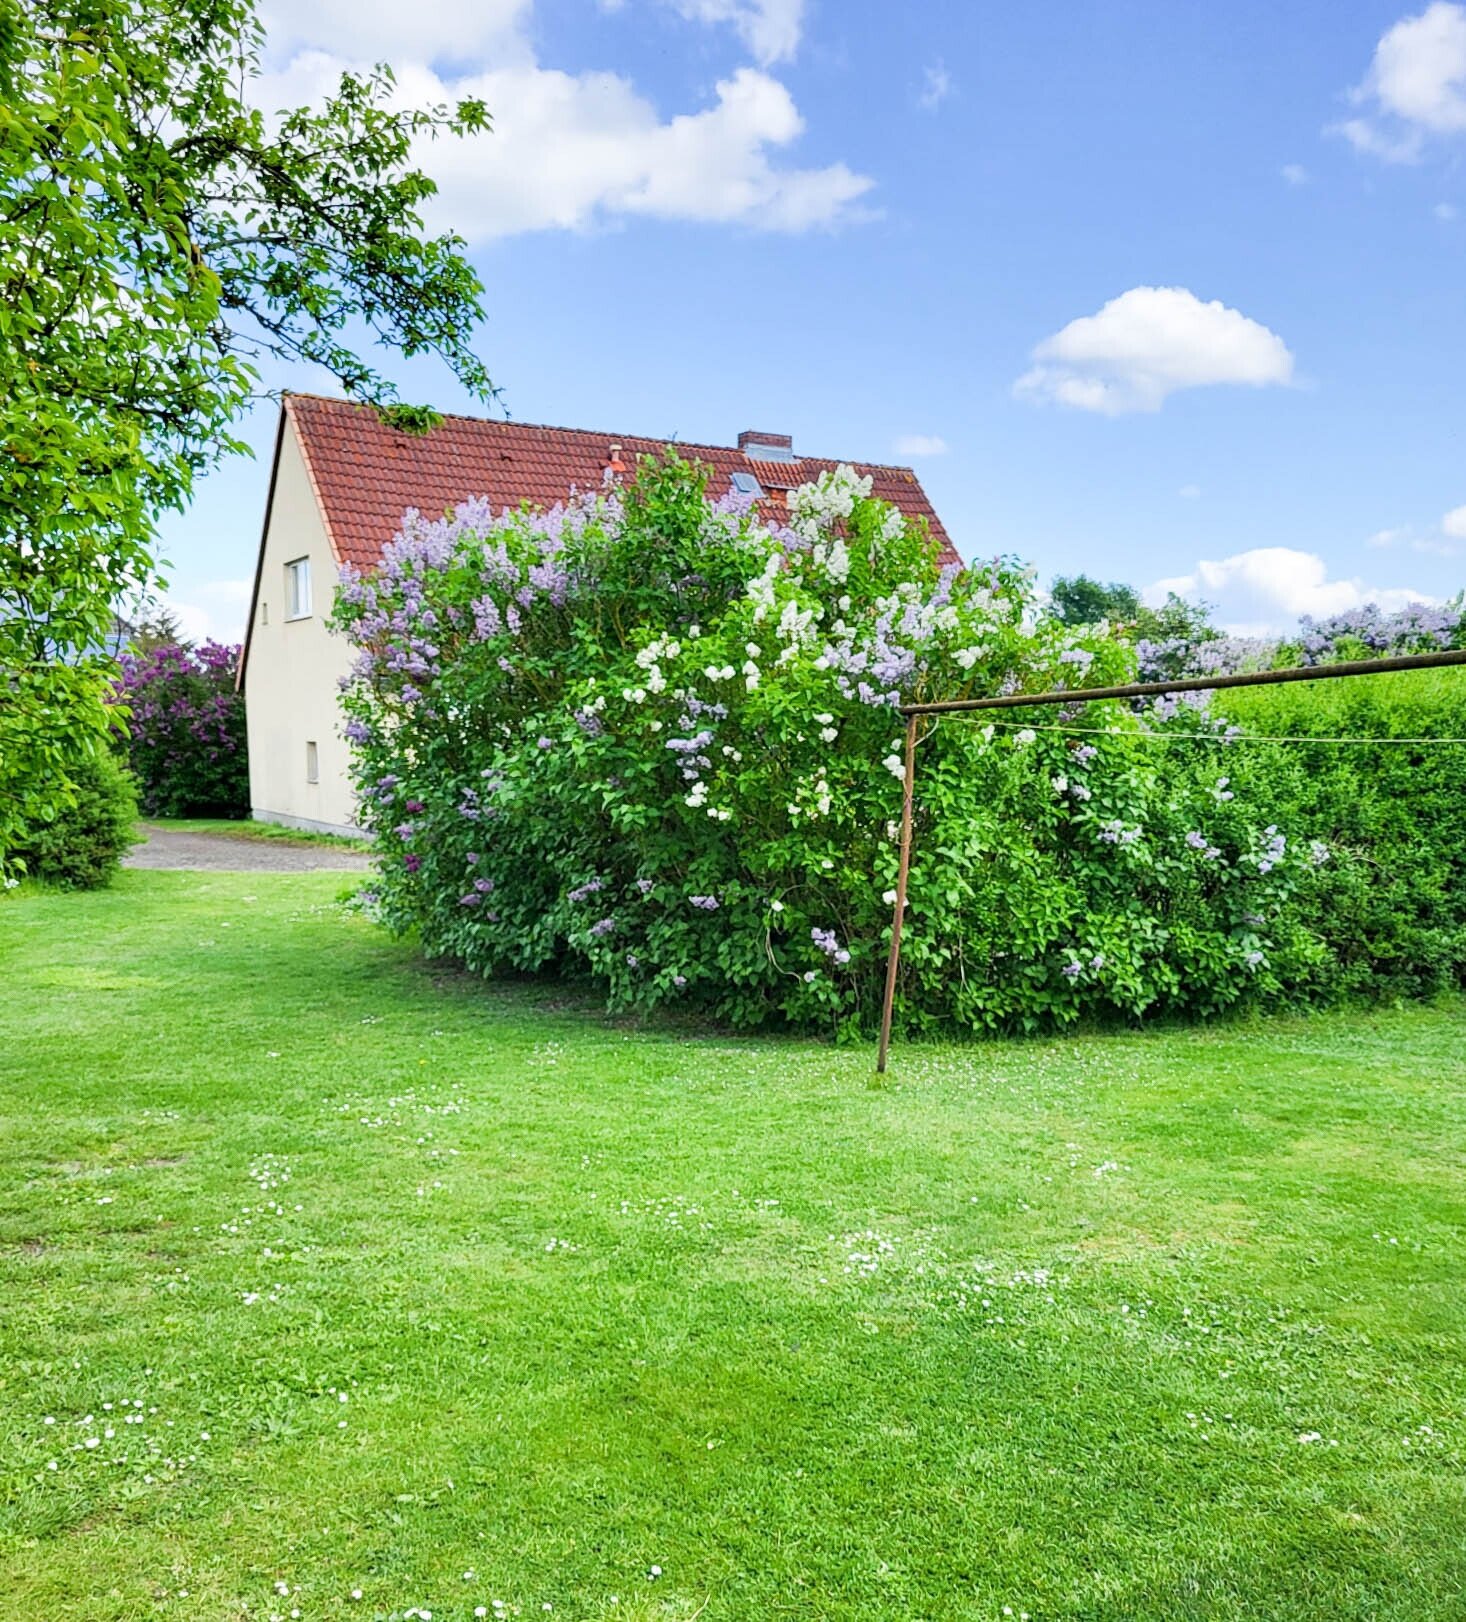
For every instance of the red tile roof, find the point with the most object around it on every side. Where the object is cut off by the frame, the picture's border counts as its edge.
(366, 475)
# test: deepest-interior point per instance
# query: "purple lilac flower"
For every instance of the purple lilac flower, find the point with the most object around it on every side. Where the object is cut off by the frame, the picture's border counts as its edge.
(1273, 852)
(602, 926)
(707, 903)
(1419, 627)
(412, 862)
(632, 960)
(1073, 970)
(583, 892)
(646, 886)
(679, 980)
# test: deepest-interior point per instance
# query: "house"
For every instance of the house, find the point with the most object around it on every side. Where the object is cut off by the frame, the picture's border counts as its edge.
(340, 482)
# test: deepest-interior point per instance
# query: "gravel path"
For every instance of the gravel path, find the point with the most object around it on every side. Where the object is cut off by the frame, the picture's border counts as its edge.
(226, 853)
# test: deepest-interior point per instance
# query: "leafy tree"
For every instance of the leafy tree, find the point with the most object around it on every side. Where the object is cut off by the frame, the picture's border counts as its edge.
(1078, 600)
(154, 629)
(160, 236)
(1176, 620)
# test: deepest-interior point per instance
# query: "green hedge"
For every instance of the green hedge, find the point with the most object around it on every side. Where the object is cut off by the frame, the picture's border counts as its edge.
(1391, 904)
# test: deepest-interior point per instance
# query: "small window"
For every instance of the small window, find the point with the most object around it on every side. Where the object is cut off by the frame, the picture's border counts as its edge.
(264, 613)
(746, 485)
(298, 589)
(312, 763)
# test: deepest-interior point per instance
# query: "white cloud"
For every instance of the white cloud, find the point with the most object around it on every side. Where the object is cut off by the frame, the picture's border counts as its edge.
(914, 445)
(573, 151)
(1189, 492)
(1295, 174)
(1415, 87)
(771, 29)
(1147, 344)
(463, 31)
(1432, 544)
(936, 87)
(1445, 212)
(1266, 589)
(215, 610)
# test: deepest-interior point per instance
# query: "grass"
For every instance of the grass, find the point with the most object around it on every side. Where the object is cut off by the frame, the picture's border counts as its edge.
(1150, 1326)
(274, 832)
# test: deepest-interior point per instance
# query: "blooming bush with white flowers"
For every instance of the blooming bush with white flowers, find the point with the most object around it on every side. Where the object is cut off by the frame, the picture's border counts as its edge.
(651, 739)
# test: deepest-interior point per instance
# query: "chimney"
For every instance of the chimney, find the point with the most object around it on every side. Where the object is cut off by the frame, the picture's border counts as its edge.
(614, 463)
(751, 442)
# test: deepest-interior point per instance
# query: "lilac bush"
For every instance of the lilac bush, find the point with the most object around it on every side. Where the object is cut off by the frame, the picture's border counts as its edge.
(185, 735)
(651, 739)
(1361, 633)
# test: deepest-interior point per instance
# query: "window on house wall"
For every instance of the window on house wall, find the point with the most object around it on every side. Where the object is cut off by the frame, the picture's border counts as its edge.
(264, 613)
(312, 763)
(298, 589)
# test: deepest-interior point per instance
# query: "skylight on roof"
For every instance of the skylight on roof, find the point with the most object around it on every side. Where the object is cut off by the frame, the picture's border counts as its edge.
(745, 484)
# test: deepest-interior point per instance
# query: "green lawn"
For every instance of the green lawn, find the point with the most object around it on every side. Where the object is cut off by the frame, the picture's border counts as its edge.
(363, 1277)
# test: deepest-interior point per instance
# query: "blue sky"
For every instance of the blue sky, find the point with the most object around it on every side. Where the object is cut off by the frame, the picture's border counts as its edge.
(1167, 293)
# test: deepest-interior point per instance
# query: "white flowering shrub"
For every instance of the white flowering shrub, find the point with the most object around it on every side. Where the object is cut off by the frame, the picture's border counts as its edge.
(650, 739)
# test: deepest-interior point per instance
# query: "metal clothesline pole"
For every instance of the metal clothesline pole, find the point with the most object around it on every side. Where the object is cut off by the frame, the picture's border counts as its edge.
(902, 872)
(1089, 695)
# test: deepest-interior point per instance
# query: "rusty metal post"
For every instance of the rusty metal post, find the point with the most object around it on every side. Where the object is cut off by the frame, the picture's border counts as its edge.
(893, 960)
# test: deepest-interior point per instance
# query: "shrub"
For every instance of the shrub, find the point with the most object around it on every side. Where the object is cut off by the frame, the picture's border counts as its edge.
(1361, 633)
(83, 846)
(650, 739)
(1392, 901)
(186, 736)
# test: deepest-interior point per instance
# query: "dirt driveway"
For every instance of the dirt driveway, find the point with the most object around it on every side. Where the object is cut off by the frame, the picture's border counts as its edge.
(238, 853)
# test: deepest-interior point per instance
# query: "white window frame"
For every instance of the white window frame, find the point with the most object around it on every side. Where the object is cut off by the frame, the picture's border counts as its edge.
(298, 601)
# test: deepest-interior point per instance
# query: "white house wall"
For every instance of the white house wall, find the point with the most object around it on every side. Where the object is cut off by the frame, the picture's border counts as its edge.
(294, 666)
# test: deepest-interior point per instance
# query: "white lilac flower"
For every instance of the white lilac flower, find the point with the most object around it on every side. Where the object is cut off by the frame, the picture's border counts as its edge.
(1025, 737)
(896, 766)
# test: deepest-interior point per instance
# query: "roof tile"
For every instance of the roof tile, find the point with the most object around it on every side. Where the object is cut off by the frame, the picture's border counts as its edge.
(368, 474)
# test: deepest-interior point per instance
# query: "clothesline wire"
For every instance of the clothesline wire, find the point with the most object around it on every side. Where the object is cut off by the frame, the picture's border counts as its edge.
(1209, 737)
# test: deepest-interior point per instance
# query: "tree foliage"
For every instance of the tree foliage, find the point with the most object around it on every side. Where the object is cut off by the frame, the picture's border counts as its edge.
(161, 236)
(1078, 600)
